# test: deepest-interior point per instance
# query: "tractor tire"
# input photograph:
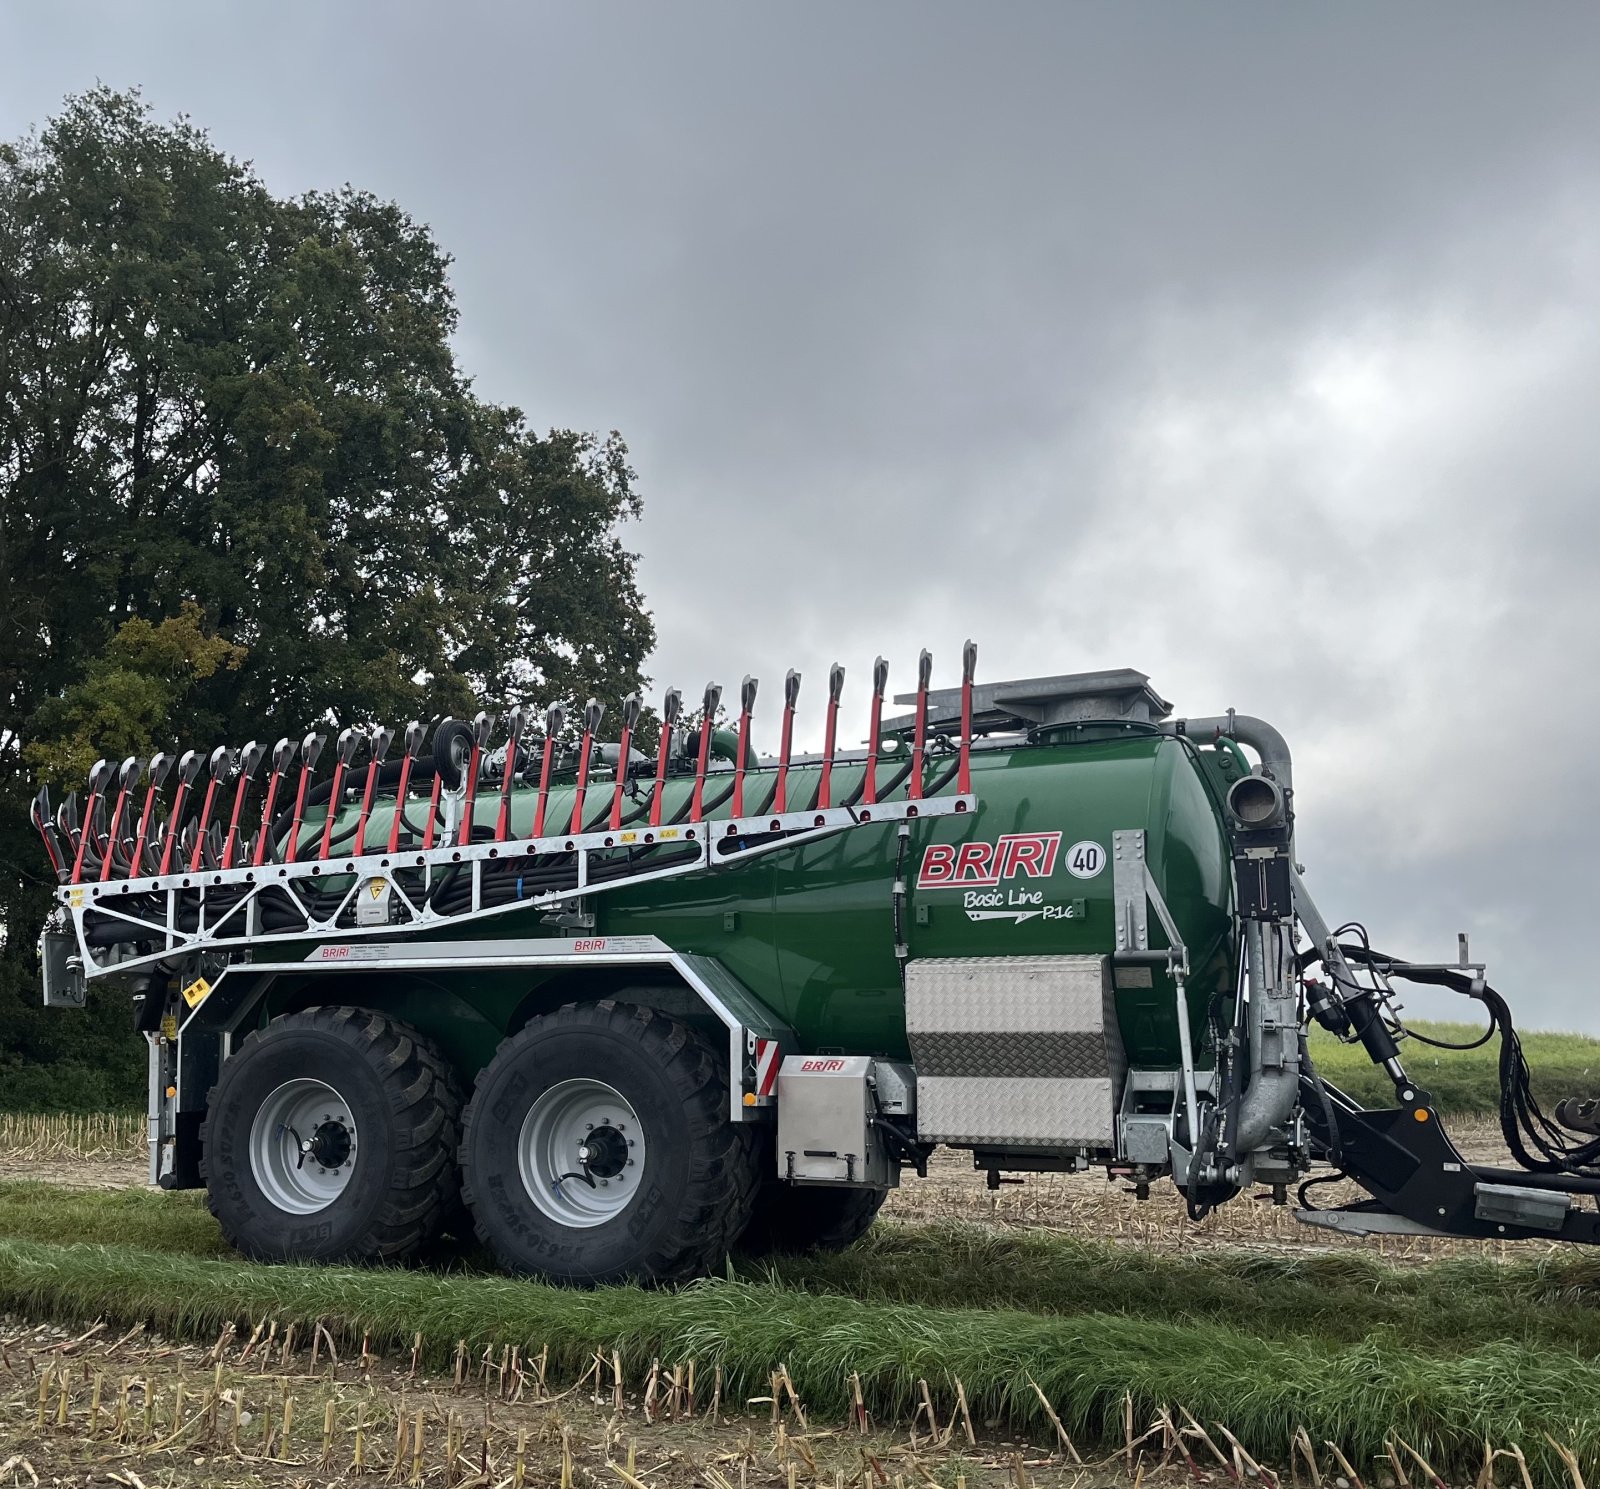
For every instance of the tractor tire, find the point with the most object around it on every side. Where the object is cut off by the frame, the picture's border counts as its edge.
(597, 1146)
(789, 1219)
(330, 1136)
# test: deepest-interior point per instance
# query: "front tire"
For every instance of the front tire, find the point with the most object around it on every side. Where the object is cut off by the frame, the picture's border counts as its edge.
(330, 1136)
(597, 1146)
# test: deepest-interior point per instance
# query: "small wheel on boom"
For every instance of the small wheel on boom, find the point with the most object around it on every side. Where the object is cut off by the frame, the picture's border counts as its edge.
(597, 1146)
(330, 1136)
(452, 750)
(790, 1219)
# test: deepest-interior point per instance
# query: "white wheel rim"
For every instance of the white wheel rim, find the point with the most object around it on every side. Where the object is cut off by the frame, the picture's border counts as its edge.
(303, 1146)
(581, 1152)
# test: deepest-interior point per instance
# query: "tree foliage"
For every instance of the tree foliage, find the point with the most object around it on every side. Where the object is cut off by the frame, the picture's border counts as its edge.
(244, 485)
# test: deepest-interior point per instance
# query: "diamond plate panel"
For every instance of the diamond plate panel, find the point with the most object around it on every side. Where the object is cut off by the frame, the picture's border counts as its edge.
(1011, 994)
(979, 1110)
(1020, 1056)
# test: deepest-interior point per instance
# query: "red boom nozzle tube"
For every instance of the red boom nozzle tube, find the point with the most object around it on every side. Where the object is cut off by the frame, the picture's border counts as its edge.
(508, 775)
(482, 728)
(282, 754)
(344, 753)
(670, 706)
(969, 665)
(630, 717)
(830, 735)
(707, 717)
(592, 711)
(869, 780)
(250, 758)
(430, 827)
(377, 748)
(39, 815)
(188, 769)
(99, 779)
(221, 768)
(747, 702)
(791, 696)
(310, 749)
(127, 776)
(414, 733)
(160, 768)
(555, 720)
(919, 732)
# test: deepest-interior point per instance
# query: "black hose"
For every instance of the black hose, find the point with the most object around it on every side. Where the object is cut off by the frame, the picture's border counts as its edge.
(1522, 1122)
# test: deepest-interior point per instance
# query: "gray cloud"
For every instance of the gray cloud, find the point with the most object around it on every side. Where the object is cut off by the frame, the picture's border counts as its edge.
(1254, 348)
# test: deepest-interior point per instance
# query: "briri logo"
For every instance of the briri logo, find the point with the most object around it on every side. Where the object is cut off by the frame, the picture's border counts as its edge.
(975, 865)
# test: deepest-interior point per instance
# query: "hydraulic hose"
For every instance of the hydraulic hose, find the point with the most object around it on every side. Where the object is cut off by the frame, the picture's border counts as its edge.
(1522, 1122)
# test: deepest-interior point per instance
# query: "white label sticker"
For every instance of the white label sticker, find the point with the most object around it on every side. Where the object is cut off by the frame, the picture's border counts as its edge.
(1085, 860)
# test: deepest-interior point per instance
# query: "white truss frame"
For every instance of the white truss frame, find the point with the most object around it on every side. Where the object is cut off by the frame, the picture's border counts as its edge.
(239, 925)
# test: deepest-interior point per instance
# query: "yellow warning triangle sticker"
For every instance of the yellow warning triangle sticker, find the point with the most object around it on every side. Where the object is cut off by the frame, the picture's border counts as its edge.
(377, 886)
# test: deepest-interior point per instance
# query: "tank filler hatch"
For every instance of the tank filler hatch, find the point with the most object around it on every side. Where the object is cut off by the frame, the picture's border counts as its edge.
(1120, 695)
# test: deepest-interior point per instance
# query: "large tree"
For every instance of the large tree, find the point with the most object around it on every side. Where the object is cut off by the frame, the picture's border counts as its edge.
(238, 416)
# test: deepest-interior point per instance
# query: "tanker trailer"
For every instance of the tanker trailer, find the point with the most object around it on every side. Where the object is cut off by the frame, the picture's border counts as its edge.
(624, 1010)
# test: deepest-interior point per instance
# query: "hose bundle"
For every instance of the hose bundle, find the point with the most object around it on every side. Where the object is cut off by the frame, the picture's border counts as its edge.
(1539, 1143)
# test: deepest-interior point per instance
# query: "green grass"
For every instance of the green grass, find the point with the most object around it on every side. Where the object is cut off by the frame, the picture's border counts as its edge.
(179, 1223)
(1262, 1389)
(1325, 1299)
(1466, 1082)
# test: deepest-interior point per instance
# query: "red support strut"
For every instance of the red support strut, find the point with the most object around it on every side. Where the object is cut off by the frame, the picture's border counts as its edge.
(250, 758)
(221, 767)
(310, 749)
(919, 733)
(592, 711)
(969, 665)
(630, 717)
(414, 732)
(747, 702)
(791, 696)
(378, 747)
(869, 782)
(126, 777)
(282, 756)
(670, 706)
(99, 779)
(508, 774)
(830, 735)
(702, 759)
(555, 719)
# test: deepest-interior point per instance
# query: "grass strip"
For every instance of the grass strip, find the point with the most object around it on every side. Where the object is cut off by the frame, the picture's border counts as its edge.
(1336, 1298)
(1261, 1389)
(1463, 1082)
(153, 1218)
(1339, 1298)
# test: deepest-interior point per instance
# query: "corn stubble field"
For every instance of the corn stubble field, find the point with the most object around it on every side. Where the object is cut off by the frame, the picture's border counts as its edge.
(1054, 1333)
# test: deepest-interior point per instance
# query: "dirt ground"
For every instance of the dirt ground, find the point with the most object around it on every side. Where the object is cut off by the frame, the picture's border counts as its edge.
(139, 1412)
(1089, 1205)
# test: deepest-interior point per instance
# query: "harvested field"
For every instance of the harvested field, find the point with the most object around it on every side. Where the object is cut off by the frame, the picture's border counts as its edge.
(1058, 1311)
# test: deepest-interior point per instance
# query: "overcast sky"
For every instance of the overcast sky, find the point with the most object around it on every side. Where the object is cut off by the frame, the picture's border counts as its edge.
(1251, 346)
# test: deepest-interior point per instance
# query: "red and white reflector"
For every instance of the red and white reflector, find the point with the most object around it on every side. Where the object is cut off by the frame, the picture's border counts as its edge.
(768, 1058)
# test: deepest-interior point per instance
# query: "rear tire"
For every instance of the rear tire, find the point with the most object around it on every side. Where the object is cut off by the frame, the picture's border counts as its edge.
(789, 1219)
(330, 1136)
(598, 1146)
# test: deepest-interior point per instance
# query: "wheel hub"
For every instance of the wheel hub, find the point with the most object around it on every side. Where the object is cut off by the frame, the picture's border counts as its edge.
(581, 1152)
(330, 1145)
(303, 1146)
(604, 1154)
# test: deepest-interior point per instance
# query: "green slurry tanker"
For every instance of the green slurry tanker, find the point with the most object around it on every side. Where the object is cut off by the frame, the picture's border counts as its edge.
(624, 1011)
